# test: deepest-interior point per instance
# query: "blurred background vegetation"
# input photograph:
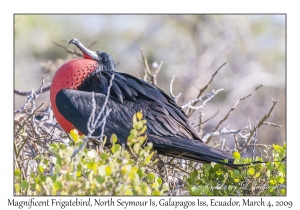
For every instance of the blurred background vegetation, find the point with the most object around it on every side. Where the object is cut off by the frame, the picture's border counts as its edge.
(192, 47)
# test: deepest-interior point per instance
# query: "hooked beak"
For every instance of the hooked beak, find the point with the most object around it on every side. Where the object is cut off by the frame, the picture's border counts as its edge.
(87, 54)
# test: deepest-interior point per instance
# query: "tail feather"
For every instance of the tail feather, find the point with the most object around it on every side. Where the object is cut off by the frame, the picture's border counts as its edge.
(192, 150)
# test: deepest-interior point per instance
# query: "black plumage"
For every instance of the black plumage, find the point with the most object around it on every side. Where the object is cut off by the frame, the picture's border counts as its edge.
(167, 126)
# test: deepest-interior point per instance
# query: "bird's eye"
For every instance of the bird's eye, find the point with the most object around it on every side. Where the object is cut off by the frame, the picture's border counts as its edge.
(104, 59)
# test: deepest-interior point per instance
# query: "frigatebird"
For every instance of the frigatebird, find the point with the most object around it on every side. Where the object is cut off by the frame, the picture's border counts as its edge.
(168, 128)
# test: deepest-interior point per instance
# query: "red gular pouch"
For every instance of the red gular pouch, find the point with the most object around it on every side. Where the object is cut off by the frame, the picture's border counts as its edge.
(69, 76)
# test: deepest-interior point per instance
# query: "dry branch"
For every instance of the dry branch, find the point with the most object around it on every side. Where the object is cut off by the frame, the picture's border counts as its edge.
(204, 88)
(231, 110)
(260, 123)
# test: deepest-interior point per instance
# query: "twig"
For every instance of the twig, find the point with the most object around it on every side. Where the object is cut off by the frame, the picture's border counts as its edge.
(175, 98)
(94, 123)
(259, 124)
(204, 100)
(67, 49)
(212, 116)
(223, 143)
(236, 142)
(255, 138)
(153, 72)
(204, 88)
(145, 62)
(224, 131)
(259, 145)
(30, 99)
(26, 93)
(28, 118)
(272, 124)
(232, 109)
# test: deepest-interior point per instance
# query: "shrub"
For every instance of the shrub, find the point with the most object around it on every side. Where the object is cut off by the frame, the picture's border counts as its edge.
(120, 171)
(101, 171)
(256, 179)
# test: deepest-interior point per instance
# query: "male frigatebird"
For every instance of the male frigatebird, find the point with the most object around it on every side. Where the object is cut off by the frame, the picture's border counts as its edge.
(167, 126)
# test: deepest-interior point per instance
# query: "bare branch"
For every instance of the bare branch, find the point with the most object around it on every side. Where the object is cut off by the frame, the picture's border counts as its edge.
(30, 99)
(224, 131)
(255, 137)
(26, 93)
(261, 122)
(204, 88)
(272, 124)
(232, 109)
(95, 122)
(67, 49)
(204, 100)
(175, 98)
(236, 142)
(152, 73)
(145, 62)
(212, 116)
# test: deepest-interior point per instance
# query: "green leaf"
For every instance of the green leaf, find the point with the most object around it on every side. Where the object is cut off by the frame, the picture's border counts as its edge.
(139, 115)
(206, 190)
(104, 156)
(236, 180)
(138, 126)
(150, 177)
(156, 192)
(143, 129)
(41, 169)
(108, 170)
(17, 187)
(115, 148)
(57, 186)
(251, 171)
(276, 147)
(24, 185)
(159, 181)
(148, 159)
(206, 172)
(53, 178)
(273, 182)
(236, 155)
(270, 166)
(236, 172)
(193, 175)
(165, 187)
(17, 172)
(134, 120)
(113, 138)
(207, 166)
(134, 133)
(100, 179)
(78, 173)
(141, 172)
(136, 148)
(155, 185)
(143, 185)
(195, 190)
(74, 135)
(280, 180)
(219, 172)
(53, 147)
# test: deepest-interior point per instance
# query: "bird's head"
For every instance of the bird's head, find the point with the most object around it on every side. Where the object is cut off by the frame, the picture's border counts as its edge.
(104, 59)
